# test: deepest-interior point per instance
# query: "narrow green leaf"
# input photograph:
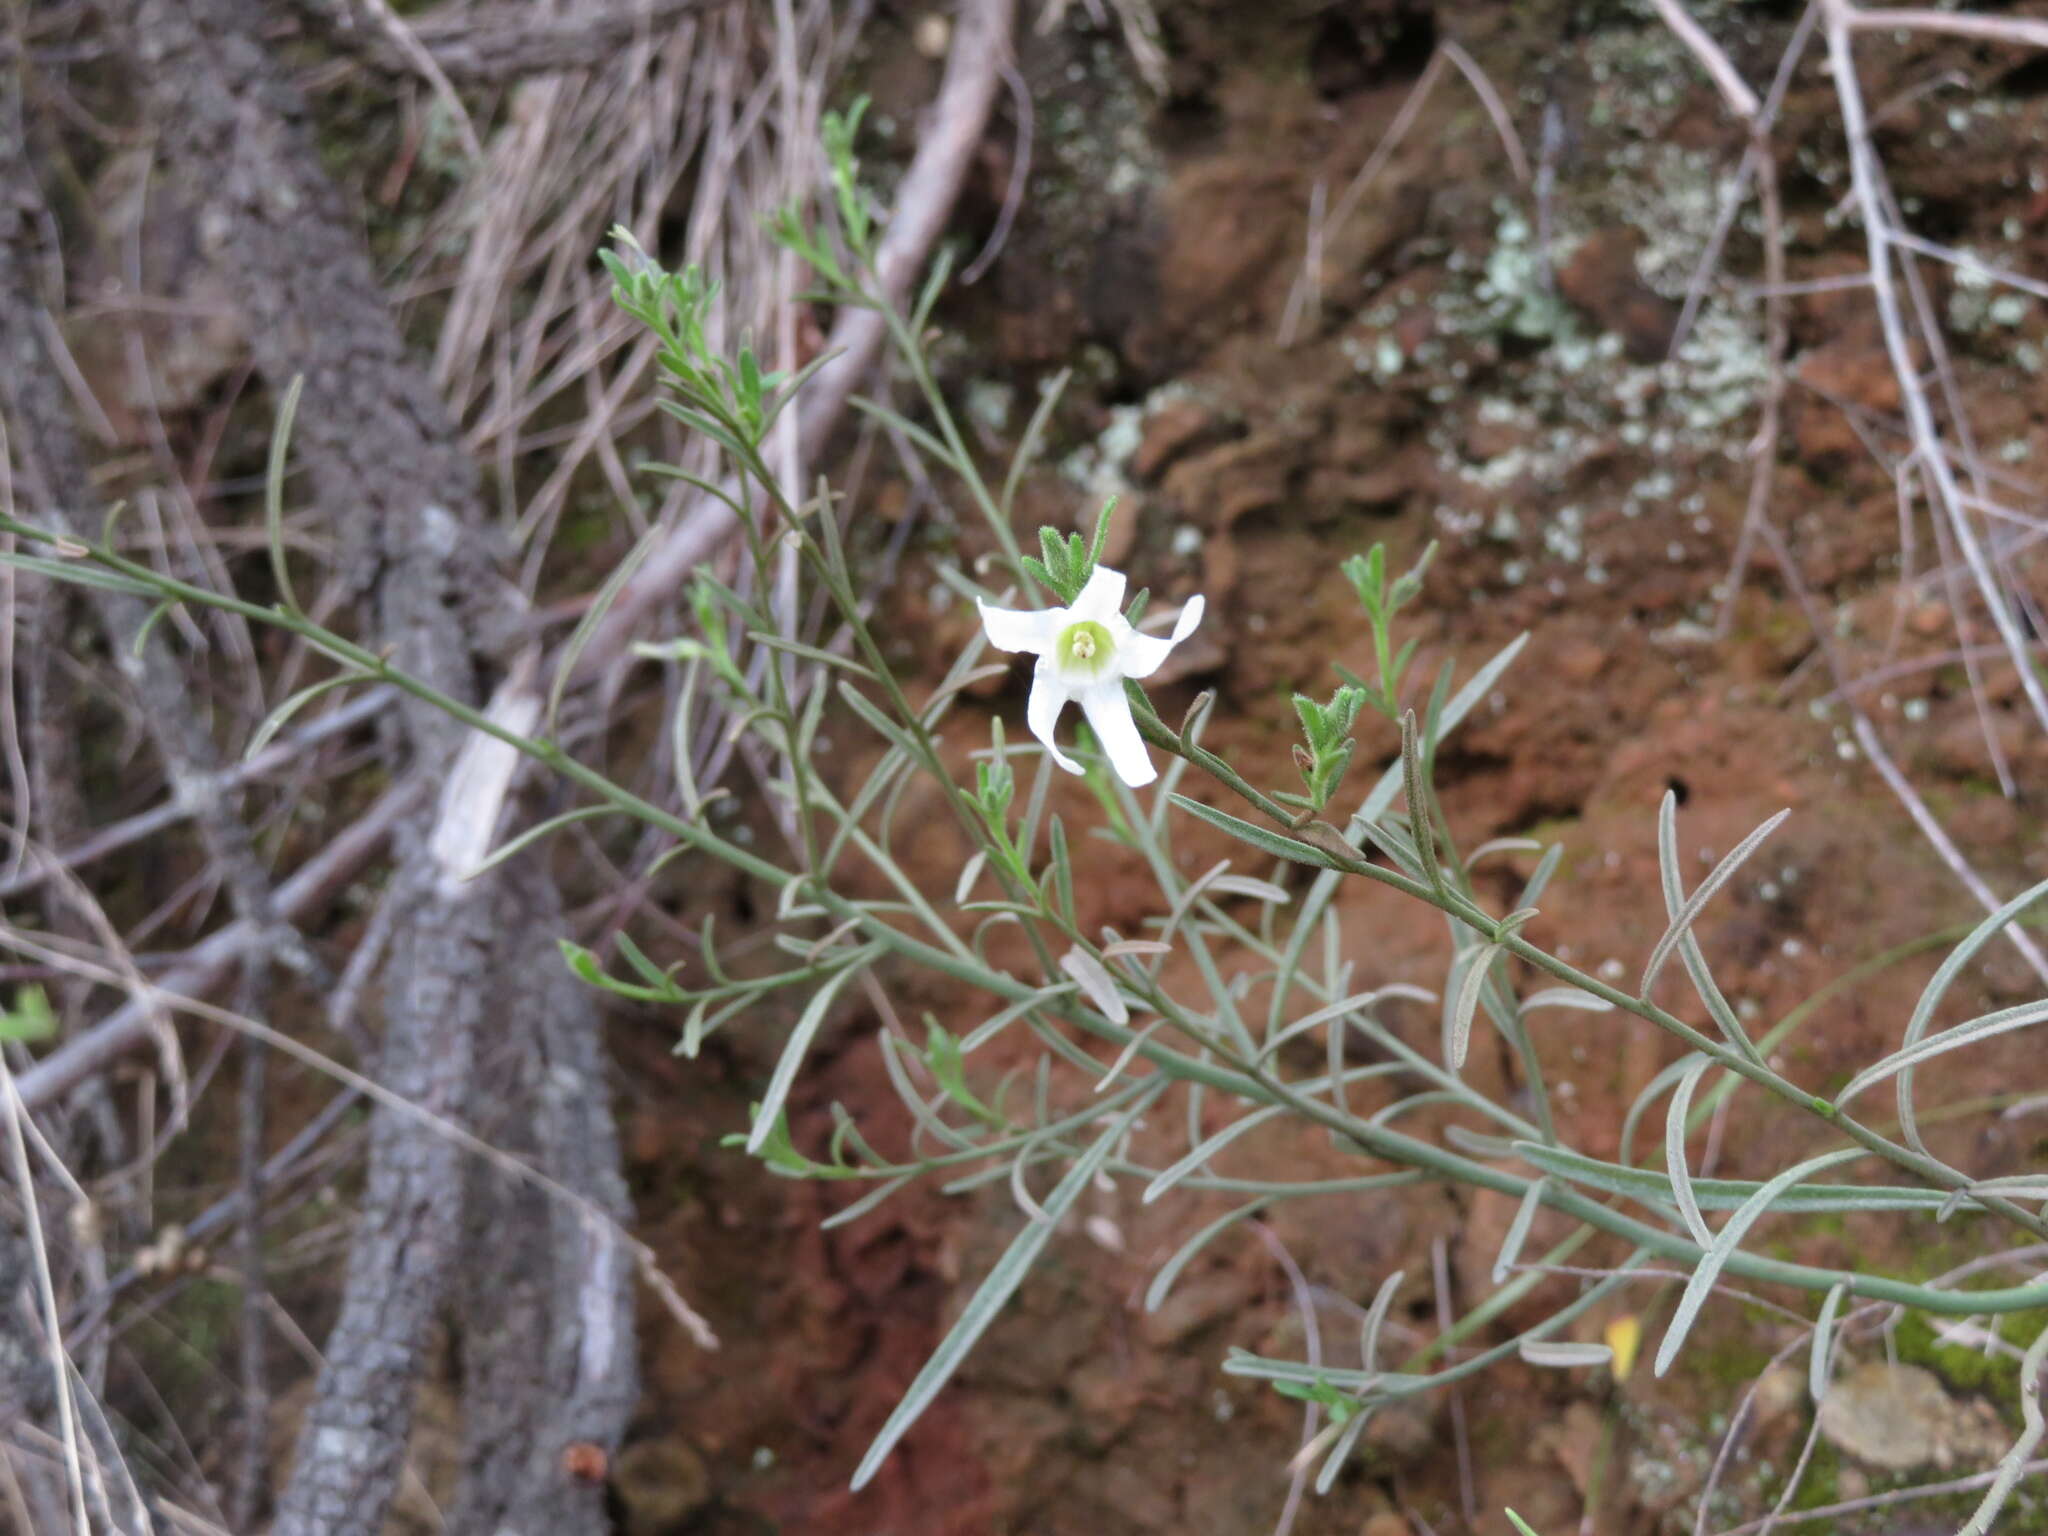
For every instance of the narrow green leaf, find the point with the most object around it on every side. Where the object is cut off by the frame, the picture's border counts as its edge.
(866, 1202)
(273, 492)
(1375, 1319)
(1823, 1338)
(1562, 1354)
(1650, 1185)
(1458, 1033)
(1034, 433)
(1274, 843)
(1518, 1229)
(1162, 1283)
(813, 653)
(1203, 1151)
(799, 1045)
(1674, 1152)
(593, 616)
(534, 834)
(281, 716)
(78, 574)
(994, 1292)
(1983, 1027)
(1937, 989)
(1682, 920)
(1715, 1259)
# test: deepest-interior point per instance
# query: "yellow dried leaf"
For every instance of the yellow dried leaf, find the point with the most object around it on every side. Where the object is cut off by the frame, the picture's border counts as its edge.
(1624, 1336)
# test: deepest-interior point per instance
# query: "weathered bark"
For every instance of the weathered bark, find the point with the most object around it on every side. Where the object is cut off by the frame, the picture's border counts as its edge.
(402, 497)
(381, 451)
(545, 1361)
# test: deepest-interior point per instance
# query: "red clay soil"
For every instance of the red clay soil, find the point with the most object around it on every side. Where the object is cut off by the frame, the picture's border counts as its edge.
(1440, 388)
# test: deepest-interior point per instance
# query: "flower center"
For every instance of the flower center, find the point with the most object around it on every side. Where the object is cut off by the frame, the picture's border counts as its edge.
(1084, 648)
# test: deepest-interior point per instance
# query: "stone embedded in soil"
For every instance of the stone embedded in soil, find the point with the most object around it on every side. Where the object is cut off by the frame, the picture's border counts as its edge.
(1899, 1417)
(1173, 429)
(1194, 1305)
(1601, 279)
(661, 1483)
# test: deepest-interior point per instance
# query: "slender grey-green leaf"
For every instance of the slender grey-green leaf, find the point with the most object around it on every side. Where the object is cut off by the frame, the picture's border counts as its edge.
(1566, 997)
(2014, 1462)
(534, 834)
(281, 716)
(1245, 885)
(1665, 1077)
(1823, 1340)
(1651, 1185)
(1937, 989)
(799, 1045)
(1415, 790)
(593, 616)
(995, 1291)
(1562, 1354)
(1347, 1438)
(969, 873)
(1375, 1320)
(1458, 1035)
(1518, 1229)
(2004, 1021)
(866, 1202)
(1127, 1055)
(1096, 984)
(1034, 431)
(1724, 1016)
(815, 653)
(78, 573)
(880, 723)
(1162, 1283)
(1478, 1143)
(1274, 843)
(1206, 1149)
(1337, 1010)
(1715, 1259)
(273, 492)
(1682, 920)
(1674, 1152)
(994, 1025)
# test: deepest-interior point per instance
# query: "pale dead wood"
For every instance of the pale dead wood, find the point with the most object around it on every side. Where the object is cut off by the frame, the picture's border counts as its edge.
(2023, 31)
(311, 885)
(493, 44)
(924, 200)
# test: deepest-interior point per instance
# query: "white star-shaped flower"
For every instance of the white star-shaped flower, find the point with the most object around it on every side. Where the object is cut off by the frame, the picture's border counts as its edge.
(1084, 653)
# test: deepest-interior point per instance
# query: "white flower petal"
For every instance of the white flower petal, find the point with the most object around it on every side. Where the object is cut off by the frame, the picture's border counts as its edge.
(1139, 655)
(1048, 697)
(1020, 629)
(1102, 599)
(1109, 716)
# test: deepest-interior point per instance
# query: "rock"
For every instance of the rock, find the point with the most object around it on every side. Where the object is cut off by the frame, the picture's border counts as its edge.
(1170, 431)
(661, 1483)
(1601, 279)
(1779, 1391)
(1900, 1417)
(1106, 1397)
(1401, 1433)
(1194, 1305)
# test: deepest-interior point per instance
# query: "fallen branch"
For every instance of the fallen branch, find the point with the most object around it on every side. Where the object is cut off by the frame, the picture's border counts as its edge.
(311, 886)
(924, 201)
(494, 44)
